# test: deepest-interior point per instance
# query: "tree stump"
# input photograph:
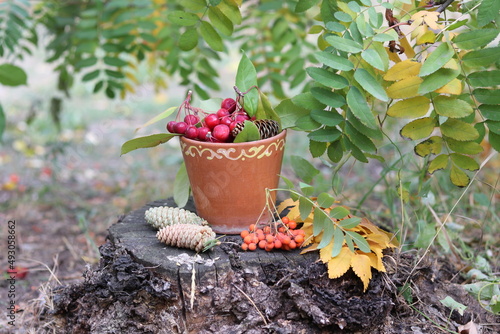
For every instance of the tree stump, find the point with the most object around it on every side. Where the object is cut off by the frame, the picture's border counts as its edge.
(144, 286)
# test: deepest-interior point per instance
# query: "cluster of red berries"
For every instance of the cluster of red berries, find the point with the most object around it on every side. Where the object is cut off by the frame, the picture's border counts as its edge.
(213, 127)
(277, 235)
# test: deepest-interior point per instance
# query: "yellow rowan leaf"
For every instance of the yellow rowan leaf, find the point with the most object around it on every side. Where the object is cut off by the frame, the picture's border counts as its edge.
(325, 253)
(405, 69)
(409, 52)
(312, 248)
(379, 238)
(376, 261)
(339, 265)
(419, 31)
(411, 108)
(452, 64)
(427, 37)
(380, 264)
(405, 88)
(454, 87)
(361, 265)
(393, 56)
(287, 203)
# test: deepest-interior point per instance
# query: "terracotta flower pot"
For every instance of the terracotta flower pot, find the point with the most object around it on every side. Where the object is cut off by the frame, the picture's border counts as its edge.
(228, 180)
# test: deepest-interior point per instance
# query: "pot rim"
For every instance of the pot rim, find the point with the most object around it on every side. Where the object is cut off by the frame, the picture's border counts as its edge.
(248, 143)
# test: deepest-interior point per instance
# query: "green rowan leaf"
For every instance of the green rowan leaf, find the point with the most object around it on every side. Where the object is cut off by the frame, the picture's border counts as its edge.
(373, 58)
(370, 84)
(231, 10)
(349, 223)
(2, 122)
(476, 38)
(182, 18)
(325, 200)
(464, 161)
(359, 139)
(459, 130)
(328, 97)
(327, 117)
(439, 162)
(487, 96)
(334, 61)
(320, 221)
(91, 75)
(220, 21)
(490, 111)
(464, 147)
(437, 80)
(483, 57)
(494, 140)
(344, 44)
(114, 61)
(360, 108)
(325, 135)
(339, 212)
(451, 107)
(437, 59)
(327, 236)
(458, 177)
(211, 36)
(493, 126)
(305, 207)
(414, 107)
(189, 39)
(335, 151)
(338, 241)
(419, 128)
(304, 5)
(327, 78)
(488, 11)
(361, 242)
(433, 145)
(303, 168)
(289, 112)
(485, 78)
(307, 101)
(317, 148)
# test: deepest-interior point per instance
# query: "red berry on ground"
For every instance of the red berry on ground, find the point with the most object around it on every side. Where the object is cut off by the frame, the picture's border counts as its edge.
(211, 121)
(191, 119)
(229, 104)
(221, 132)
(180, 128)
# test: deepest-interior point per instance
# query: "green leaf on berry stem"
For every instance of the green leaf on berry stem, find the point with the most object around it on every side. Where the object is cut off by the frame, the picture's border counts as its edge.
(145, 142)
(246, 77)
(250, 132)
(181, 186)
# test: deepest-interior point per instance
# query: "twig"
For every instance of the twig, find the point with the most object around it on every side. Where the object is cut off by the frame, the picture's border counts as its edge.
(251, 301)
(443, 6)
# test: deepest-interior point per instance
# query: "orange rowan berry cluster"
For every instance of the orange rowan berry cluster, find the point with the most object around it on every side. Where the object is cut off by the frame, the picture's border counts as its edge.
(276, 235)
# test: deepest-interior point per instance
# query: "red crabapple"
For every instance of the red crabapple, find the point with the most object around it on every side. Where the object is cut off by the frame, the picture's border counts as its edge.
(221, 132)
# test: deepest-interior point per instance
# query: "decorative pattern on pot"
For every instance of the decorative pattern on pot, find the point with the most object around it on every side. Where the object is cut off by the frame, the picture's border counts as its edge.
(220, 153)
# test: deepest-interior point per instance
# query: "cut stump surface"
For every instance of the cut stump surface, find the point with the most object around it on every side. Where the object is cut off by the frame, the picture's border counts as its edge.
(144, 286)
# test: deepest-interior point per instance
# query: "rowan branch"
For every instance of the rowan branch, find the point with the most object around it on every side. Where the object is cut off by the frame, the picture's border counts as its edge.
(443, 6)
